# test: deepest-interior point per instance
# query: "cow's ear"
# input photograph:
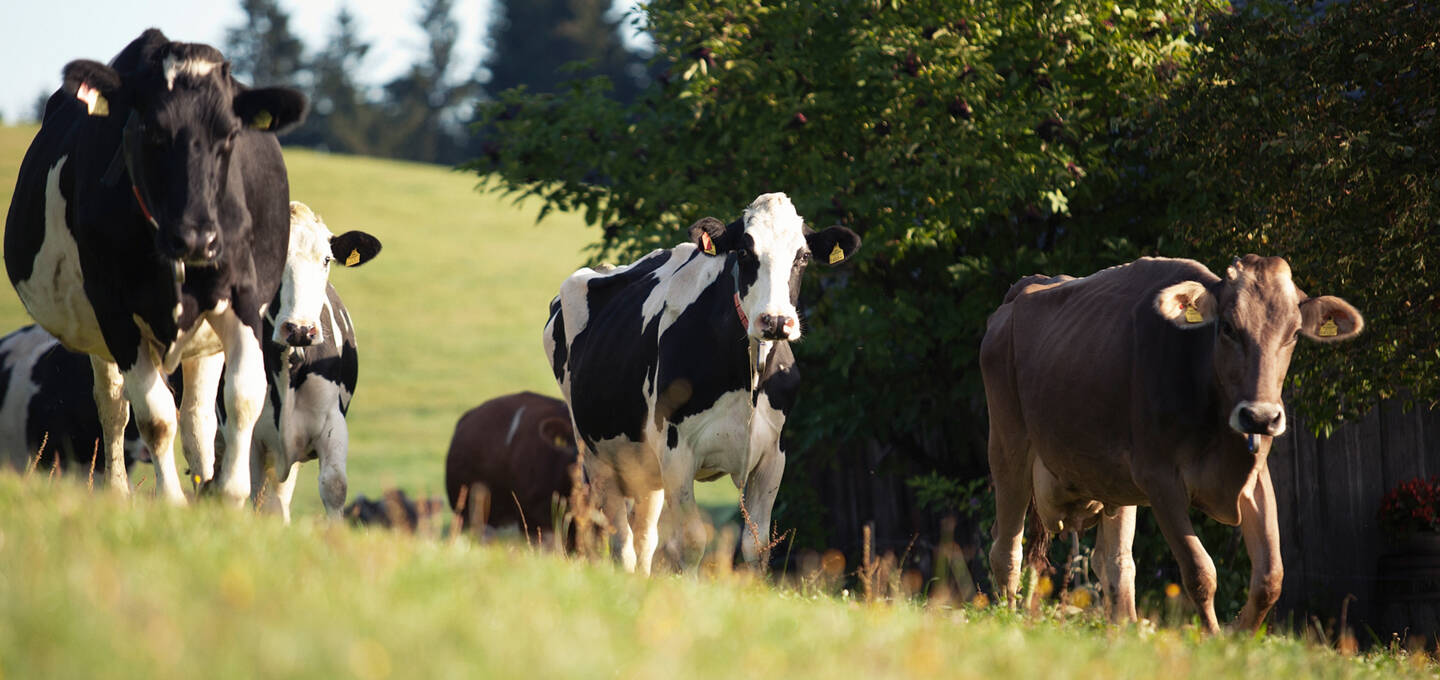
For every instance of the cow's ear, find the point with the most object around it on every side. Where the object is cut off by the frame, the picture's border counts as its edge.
(710, 236)
(354, 248)
(93, 83)
(270, 109)
(1329, 319)
(557, 433)
(1188, 304)
(832, 245)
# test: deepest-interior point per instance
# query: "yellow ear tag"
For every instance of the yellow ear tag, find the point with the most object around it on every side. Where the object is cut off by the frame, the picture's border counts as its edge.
(95, 103)
(1192, 315)
(262, 120)
(836, 254)
(354, 259)
(1329, 329)
(560, 442)
(706, 244)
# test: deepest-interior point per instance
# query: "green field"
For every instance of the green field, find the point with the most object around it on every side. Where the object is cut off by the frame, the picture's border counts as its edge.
(447, 316)
(96, 586)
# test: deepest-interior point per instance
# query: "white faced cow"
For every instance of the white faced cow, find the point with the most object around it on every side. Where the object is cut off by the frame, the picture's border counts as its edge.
(1152, 383)
(148, 230)
(678, 367)
(311, 365)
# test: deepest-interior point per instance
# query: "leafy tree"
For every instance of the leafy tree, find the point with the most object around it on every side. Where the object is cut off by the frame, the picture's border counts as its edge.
(263, 51)
(423, 102)
(342, 118)
(1311, 134)
(969, 142)
(533, 40)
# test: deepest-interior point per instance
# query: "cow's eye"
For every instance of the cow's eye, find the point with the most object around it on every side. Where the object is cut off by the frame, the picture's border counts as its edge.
(1229, 331)
(328, 260)
(802, 258)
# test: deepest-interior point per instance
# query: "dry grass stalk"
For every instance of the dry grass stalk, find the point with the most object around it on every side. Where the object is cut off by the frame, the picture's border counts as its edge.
(867, 564)
(457, 518)
(762, 556)
(35, 462)
(94, 456)
(479, 509)
(524, 526)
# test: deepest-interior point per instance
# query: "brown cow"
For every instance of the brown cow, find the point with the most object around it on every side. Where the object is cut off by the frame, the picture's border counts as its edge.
(520, 448)
(1155, 383)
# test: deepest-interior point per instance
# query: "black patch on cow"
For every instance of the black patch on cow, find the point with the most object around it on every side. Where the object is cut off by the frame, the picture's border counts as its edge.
(780, 380)
(672, 436)
(704, 354)
(609, 366)
(557, 336)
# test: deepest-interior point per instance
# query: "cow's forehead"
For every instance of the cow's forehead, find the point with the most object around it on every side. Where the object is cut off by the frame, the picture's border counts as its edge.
(187, 67)
(1262, 290)
(773, 225)
(309, 237)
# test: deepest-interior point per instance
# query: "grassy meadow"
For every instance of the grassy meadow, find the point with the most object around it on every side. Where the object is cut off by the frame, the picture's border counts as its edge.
(93, 585)
(450, 315)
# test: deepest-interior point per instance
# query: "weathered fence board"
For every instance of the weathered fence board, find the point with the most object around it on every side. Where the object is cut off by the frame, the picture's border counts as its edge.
(1328, 491)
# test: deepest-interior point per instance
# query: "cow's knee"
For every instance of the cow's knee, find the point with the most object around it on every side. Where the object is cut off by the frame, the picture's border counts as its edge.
(1265, 590)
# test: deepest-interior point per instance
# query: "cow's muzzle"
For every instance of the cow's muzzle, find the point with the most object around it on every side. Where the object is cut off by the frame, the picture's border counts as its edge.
(298, 333)
(1258, 417)
(197, 246)
(775, 327)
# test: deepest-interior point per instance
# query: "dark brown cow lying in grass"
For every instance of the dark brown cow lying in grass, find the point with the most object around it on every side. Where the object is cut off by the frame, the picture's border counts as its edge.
(1155, 383)
(519, 448)
(393, 510)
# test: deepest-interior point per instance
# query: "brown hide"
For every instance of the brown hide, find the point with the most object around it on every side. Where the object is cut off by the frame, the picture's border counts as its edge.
(1139, 385)
(518, 449)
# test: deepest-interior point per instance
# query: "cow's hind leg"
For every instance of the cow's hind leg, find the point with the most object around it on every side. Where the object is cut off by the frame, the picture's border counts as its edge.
(332, 450)
(155, 416)
(1260, 527)
(678, 471)
(1011, 471)
(114, 410)
(646, 526)
(197, 414)
(1114, 564)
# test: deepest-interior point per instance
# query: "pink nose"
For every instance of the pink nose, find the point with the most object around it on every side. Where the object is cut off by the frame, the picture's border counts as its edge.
(299, 334)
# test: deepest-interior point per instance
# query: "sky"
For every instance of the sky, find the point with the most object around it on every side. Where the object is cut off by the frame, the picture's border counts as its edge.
(38, 37)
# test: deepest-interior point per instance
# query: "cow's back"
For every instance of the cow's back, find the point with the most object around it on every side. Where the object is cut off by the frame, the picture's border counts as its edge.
(499, 444)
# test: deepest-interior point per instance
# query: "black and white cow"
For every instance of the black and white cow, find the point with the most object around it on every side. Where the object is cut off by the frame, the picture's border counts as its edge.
(678, 367)
(46, 411)
(312, 366)
(148, 229)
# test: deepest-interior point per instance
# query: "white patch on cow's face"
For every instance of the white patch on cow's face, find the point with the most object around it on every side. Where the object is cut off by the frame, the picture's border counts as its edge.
(195, 68)
(776, 235)
(307, 269)
(55, 292)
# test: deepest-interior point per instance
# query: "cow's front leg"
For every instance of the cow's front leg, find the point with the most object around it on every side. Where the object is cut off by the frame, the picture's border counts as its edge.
(244, 398)
(1260, 527)
(155, 416)
(197, 414)
(1171, 506)
(1115, 564)
(759, 499)
(114, 410)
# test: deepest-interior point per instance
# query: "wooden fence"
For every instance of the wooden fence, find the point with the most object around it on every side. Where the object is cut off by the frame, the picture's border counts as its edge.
(1328, 491)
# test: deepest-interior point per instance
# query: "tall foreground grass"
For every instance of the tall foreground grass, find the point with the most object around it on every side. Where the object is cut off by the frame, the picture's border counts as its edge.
(91, 585)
